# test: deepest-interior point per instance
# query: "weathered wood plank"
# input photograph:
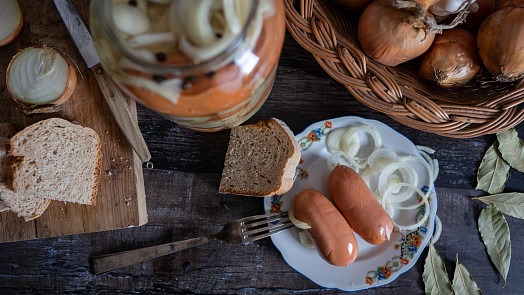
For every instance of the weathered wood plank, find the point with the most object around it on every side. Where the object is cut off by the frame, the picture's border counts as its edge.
(184, 205)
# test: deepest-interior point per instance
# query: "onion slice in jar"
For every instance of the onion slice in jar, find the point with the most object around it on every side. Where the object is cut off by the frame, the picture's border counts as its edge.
(11, 21)
(40, 76)
(130, 20)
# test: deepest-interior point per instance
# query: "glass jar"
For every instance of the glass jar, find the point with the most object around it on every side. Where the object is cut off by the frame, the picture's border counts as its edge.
(201, 81)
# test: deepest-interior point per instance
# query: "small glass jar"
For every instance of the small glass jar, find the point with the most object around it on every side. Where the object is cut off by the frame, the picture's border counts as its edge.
(201, 81)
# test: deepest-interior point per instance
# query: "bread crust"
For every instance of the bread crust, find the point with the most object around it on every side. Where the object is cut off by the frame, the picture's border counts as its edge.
(287, 174)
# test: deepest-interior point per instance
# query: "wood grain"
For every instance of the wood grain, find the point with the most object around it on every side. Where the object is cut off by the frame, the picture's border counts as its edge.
(121, 199)
(186, 205)
(183, 203)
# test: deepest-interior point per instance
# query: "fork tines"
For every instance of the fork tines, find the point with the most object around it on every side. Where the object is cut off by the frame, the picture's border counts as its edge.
(260, 226)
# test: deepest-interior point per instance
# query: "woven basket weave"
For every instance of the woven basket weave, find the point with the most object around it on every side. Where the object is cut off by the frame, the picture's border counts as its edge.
(330, 34)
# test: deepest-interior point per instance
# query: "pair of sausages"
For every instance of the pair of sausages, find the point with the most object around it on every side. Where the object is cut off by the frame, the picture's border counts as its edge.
(355, 208)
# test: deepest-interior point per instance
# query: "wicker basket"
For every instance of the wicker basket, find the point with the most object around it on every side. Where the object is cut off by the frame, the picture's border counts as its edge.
(330, 34)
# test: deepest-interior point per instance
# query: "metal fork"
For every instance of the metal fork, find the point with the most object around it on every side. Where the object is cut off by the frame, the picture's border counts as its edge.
(240, 231)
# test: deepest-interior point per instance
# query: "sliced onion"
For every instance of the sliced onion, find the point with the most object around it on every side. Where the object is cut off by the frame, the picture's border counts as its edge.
(381, 158)
(438, 230)
(198, 26)
(305, 239)
(11, 21)
(295, 221)
(130, 20)
(205, 53)
(334, 138)
(426, 165)
(331, 157)
(350, 144)
(387, 180)
(150, 39)
(40, 76)
(423, 202)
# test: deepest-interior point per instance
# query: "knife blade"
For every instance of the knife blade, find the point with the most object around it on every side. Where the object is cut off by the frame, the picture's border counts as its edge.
(122, 107)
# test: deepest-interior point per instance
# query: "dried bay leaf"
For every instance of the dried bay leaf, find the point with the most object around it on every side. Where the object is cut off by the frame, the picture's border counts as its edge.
(435, 276)
(511, 204)
(494, 231)
(463, 282)
(511, 148)
(493, 171)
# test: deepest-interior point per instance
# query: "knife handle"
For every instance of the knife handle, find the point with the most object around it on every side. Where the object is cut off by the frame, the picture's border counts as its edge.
(121, 107)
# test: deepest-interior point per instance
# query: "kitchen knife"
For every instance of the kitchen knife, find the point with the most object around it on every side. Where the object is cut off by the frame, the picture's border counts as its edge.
(123, 108)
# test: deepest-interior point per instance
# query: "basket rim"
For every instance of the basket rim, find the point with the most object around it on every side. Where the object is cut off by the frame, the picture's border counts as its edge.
(318, 28)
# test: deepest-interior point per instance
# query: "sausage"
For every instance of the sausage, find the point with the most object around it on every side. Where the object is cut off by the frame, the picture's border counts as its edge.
(359, 206)
(330, 231)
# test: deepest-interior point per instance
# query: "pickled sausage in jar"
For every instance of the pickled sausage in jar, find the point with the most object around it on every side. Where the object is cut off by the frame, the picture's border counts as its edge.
(329, 230)
(359, 206)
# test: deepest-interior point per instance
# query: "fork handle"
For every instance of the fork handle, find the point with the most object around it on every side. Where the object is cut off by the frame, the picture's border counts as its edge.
(109, 262)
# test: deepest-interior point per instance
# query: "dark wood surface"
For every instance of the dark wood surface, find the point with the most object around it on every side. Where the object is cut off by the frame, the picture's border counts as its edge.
(183, 203)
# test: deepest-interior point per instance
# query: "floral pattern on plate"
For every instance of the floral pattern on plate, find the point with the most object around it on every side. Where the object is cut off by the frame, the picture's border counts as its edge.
(376, 265)
(314, 135)
(409, 246)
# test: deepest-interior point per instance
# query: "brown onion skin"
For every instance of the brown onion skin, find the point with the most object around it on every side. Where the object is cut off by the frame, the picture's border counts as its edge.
(473, 20)
(500, 42)
(353, 4)
(509, 3)
(389, 36)
(452, 60)
(68, 91)
(15, 33)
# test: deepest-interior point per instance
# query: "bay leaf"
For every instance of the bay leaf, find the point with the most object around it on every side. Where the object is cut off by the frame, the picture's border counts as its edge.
(463, 282)
(511, 204)
(494, 231)
(493, 171)
(435, 276)
(511, 148)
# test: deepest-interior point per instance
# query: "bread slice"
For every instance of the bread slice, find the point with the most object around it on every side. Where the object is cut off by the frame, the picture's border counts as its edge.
(58, 160)
(26, 206)
(29, 207)
(261, 160)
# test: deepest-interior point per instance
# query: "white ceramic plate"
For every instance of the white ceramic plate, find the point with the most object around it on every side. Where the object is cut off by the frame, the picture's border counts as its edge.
(375, 265)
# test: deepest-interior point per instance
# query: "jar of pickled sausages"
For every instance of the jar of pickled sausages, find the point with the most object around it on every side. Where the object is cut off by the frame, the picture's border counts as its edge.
(208, 65)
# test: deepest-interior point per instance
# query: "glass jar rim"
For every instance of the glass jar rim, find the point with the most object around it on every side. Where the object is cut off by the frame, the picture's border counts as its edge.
(102, 8)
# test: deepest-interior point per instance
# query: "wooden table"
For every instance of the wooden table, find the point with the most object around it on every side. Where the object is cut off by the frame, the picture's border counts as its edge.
(183, 203)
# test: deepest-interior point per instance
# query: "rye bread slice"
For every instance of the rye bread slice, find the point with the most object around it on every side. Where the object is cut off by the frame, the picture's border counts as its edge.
(261, 159)
(58, 160)
(29, 207)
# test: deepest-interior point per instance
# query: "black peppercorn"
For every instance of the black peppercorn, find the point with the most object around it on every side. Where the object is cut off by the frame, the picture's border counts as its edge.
(160, 57)
(158, 78)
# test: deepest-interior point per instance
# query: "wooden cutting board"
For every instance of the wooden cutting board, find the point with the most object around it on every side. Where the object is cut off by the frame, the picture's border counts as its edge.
(120, 202)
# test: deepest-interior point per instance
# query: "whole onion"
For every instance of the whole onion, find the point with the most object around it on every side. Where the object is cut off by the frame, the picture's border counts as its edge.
(500, 43)
(392, 36)
(473, 20)
(452, 60)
